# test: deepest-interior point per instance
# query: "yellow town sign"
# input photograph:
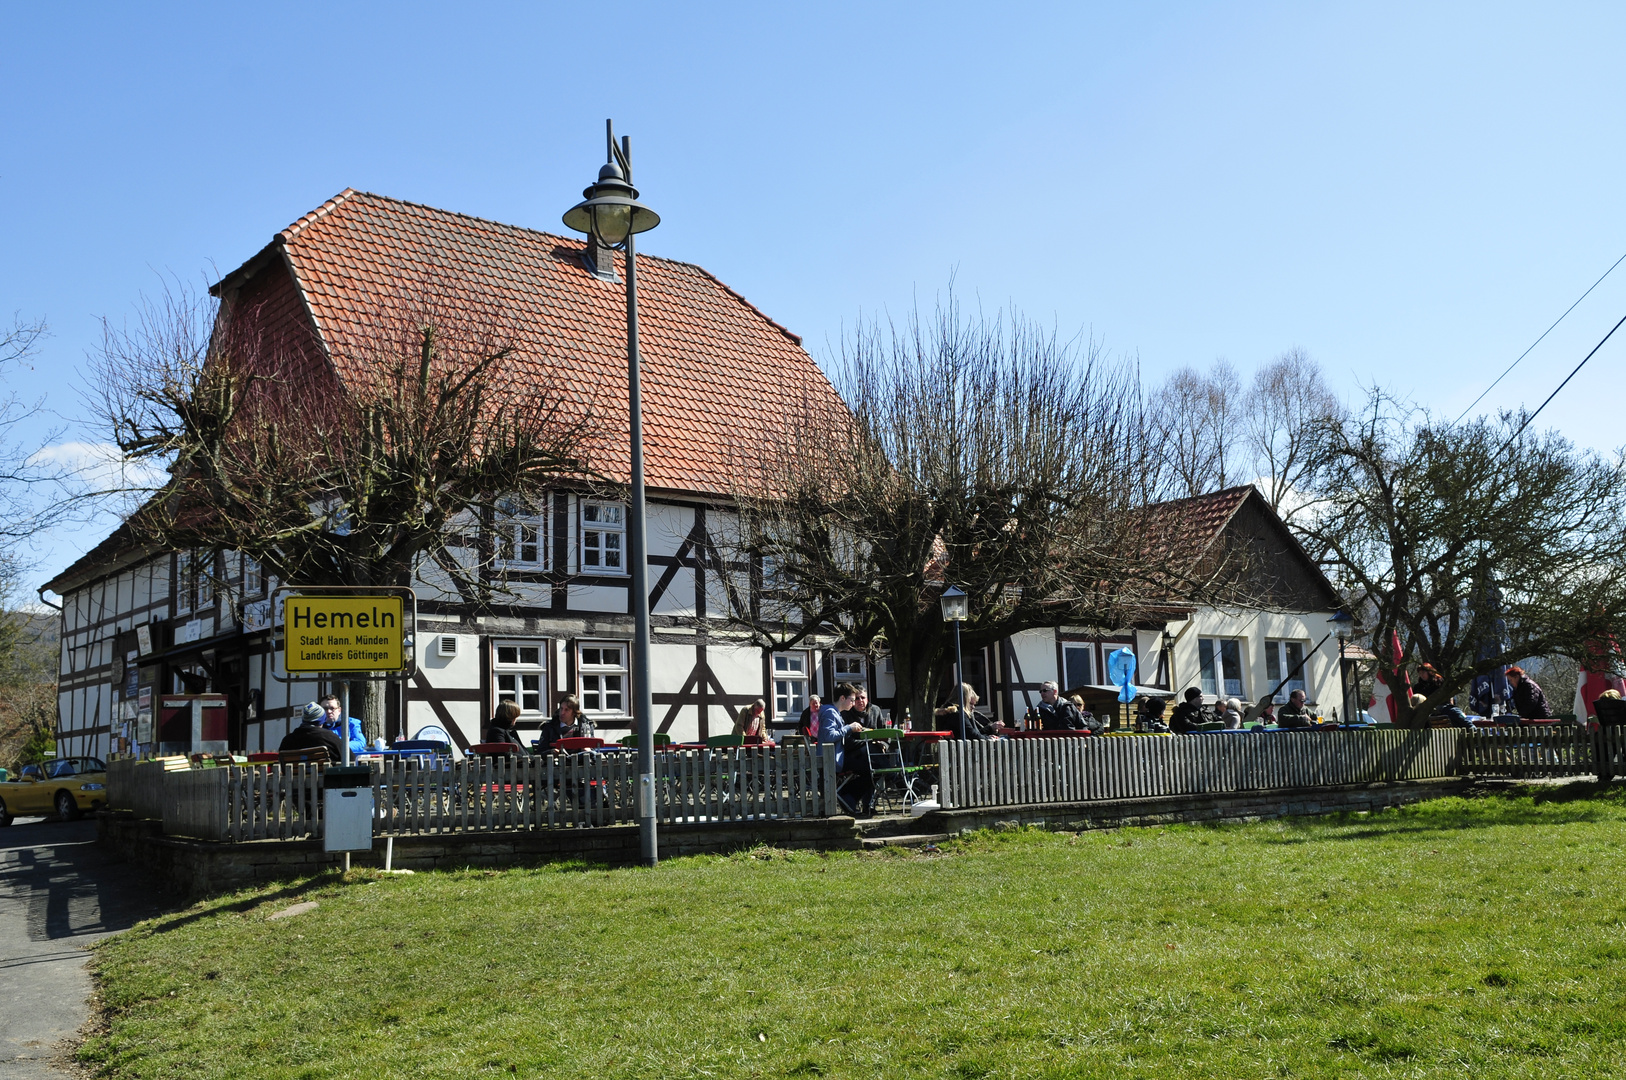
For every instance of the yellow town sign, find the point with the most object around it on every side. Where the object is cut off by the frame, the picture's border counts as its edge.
(343, 633)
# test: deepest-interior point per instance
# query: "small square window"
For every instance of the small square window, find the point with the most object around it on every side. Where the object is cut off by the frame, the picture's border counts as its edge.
(521, 676)
(602, 679)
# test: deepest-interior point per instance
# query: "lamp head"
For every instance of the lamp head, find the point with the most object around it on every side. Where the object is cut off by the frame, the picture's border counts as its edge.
(956, 605)
(1343, 623)
(610, 210)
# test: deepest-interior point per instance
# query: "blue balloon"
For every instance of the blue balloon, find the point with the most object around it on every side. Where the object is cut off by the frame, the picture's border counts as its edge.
(1121, 670)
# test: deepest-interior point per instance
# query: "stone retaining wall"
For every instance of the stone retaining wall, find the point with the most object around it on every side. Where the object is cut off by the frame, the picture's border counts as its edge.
(202, 867)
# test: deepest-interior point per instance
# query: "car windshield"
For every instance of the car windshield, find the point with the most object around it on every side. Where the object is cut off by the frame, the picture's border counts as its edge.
(58, 769)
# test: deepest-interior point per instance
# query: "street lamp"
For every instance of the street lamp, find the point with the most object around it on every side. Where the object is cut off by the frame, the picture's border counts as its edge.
(1344, 623)
(611, 214)
(956, 606)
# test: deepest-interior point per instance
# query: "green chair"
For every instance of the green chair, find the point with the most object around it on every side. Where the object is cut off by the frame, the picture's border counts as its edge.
(661, 739)
(715, 741)
(895, 779)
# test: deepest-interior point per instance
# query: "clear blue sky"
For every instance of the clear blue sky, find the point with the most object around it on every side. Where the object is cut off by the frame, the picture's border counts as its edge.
(1412, 193)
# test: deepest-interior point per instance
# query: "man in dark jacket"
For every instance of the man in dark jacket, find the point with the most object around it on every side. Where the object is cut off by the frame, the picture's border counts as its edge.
(313, 733)
(1054, 713)
(1188, 713)
(1528, 697)
(863, 713)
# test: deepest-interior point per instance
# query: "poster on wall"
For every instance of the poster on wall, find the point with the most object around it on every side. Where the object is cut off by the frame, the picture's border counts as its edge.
(143, 725)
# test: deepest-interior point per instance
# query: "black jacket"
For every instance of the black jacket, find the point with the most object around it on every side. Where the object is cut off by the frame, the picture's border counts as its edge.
(310, 736)
(1185, 715)
(496, 731)
(1060, 715)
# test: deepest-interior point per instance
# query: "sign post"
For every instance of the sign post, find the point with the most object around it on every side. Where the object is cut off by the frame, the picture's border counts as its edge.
(337, 632)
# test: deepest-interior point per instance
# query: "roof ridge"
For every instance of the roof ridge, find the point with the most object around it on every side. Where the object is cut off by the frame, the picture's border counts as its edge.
(326, 208)
(348, 193)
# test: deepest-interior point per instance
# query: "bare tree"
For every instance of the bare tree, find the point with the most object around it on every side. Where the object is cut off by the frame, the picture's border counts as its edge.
(1475, 545)
(329, 481)
(986, 454)
(1286, 405)
(1203, 443)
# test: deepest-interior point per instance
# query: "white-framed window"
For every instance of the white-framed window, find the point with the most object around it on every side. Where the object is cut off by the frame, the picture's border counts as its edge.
(520, 672)
(604, 529)
(521, 537)
(1282, 657)
(253, 577)
(602, 681)
(1077, 664)
(850, 667)
(790, 671)
(1220, 660)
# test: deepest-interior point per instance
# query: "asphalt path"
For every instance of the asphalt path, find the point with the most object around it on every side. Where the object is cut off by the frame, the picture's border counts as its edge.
(58, 893)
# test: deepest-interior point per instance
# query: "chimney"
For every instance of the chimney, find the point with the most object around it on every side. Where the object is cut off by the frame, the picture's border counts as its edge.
(599, 260)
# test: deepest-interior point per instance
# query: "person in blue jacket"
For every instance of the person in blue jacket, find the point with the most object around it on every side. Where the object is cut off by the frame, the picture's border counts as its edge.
(335, 722)
(859, 796)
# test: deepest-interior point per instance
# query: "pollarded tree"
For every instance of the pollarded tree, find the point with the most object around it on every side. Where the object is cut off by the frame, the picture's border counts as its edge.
(983, 453)
(330, 481)
(1286, 405)
(1477, 544)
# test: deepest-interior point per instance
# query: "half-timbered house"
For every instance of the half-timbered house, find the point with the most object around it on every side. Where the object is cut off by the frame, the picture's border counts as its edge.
(142, 626)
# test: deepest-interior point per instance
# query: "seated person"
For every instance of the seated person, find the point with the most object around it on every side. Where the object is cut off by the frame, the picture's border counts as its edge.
(863, 713)
(337, 722)
(1088, 721)
(752, 723)
(1189, 713)
(500, 728)
(858, 794)
(1054, 712)
(314, 732)
(1152, 715)
(1528, 697)
(977, 726)
(565, 723)
(1294, 714)
(809, 723)
(1428, 680)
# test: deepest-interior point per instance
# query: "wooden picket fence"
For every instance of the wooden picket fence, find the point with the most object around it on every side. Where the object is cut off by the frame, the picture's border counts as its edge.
(1530, 751)
(474, 795)
(1147, 766)
(423, 797)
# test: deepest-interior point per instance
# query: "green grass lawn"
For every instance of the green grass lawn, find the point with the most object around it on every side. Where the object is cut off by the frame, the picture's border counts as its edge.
(1465, 937)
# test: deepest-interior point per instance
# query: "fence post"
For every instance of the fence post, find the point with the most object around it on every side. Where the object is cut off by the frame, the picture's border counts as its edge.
(827, 778)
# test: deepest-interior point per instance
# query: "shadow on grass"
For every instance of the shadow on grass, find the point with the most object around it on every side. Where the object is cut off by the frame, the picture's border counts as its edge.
(1480, 807)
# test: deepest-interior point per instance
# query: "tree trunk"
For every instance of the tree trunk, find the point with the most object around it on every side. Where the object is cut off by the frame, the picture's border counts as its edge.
(367, 705)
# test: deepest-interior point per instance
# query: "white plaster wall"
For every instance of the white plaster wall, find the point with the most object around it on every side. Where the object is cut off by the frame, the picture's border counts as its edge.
(1033, 653)
(598, 598)
(1252, 628)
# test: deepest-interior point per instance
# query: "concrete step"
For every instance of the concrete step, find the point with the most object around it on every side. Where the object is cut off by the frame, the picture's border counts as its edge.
(911, 840)
(887, 825)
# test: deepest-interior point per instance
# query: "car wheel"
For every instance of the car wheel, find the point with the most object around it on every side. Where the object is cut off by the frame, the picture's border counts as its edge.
(5, 815)
(66, 808)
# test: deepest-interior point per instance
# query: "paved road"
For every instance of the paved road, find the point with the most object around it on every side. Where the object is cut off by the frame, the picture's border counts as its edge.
(58, 893)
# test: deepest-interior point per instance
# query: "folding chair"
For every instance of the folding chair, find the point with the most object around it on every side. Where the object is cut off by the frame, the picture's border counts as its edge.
(894, 778)
(660, 738)
(715, 741)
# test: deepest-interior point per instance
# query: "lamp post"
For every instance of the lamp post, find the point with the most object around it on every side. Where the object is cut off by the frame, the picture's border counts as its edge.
(955, 608)
(1343, 622)
(612, 215)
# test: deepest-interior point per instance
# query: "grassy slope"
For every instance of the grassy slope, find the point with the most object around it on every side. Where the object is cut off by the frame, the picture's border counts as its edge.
(1475, 937)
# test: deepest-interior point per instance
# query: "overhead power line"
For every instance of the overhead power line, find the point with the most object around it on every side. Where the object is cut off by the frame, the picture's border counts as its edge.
(1563, 384)
(1538, 341)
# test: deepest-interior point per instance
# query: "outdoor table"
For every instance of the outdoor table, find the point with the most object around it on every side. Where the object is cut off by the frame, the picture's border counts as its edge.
(1138, 734)
(916, 744)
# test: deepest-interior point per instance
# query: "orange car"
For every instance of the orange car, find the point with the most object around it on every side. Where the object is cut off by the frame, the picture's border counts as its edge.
(66, 786)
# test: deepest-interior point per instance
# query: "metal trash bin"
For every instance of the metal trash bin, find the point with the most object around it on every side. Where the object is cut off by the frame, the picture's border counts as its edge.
(347, 807)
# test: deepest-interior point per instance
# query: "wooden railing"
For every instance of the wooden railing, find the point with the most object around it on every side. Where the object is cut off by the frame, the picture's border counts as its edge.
(752, 783)
(482, 794)
(1528, 751)
(1140, 767)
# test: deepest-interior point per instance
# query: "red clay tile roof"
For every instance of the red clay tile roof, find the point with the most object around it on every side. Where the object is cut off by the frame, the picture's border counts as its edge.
(1200, 518)
(716, 371)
